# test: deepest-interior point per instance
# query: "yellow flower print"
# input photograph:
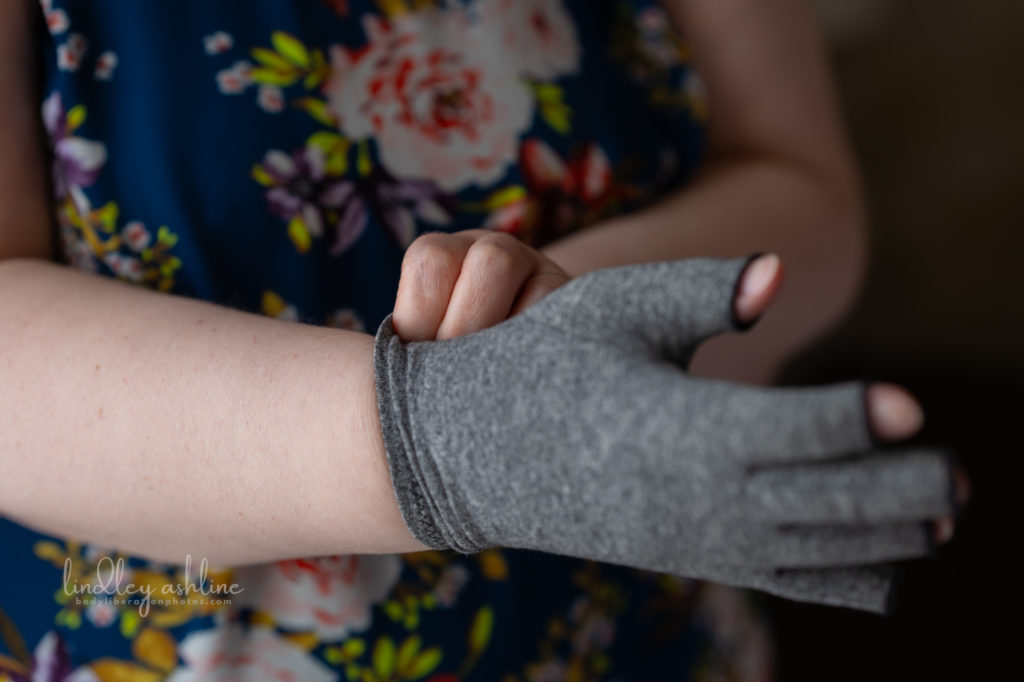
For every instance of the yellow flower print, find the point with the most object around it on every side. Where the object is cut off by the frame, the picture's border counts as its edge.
(155, 653)
(92, 573)
(396, 8)
(287, 62)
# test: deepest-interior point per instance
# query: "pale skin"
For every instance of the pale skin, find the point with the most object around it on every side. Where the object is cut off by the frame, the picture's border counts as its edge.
(166, 426)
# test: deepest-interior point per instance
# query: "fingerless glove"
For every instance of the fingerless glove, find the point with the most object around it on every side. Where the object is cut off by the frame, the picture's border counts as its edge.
(573, 428)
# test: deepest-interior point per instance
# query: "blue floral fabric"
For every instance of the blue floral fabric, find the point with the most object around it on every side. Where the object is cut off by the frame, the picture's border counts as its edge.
(279, 157)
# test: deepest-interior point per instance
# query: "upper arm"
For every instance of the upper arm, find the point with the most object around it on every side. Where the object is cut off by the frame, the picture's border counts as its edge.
(768, 83)
(24, 209)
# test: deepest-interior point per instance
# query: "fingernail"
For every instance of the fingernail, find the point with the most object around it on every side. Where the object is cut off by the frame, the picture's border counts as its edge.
(943, 530)
(961, 487)
(756, 278)
(894, 414)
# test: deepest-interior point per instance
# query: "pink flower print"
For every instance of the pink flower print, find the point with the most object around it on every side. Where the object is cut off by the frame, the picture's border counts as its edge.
(271, 99)
(218, 42)
(340, 7)
(77, 251)
(105, 65)
(272, 305)
(289, 314)
(593, 174)
(231, 653)
(136, 236)
(652, 21)
(537, 36)
(57, 21)
(561, 193)
(78, 43)
(512, 217)
(67, 60)
(592, 628)
(450, 584)
(331, 596)
(76, 162)
(71, 52)
(437, 99)
(125, 267)
(595, 633)
(101, 613)
(346, 318)
(234, 80)
(656, 37)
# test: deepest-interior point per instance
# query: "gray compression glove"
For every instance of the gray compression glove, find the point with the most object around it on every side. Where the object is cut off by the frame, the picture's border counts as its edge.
(572, 428)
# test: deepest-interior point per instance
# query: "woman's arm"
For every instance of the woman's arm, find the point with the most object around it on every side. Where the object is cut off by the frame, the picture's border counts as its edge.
(780, 178)
(164, 426)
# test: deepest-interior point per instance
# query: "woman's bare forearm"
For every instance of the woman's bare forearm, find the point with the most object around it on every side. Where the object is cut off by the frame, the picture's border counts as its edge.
(165, 426)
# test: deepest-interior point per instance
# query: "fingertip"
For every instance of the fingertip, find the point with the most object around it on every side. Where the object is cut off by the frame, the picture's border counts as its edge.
(409, 326)
(961, 486)
(757, 288)
(400, 333)
(943, 530)
(536, 288)
(893, 414)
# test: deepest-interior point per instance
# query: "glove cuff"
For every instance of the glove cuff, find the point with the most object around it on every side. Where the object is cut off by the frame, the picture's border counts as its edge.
(413, 502)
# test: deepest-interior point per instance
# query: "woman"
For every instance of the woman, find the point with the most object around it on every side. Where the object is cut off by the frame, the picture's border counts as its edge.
(289, 159)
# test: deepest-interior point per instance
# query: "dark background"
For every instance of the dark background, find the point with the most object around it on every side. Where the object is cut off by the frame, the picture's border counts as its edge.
(933, 91)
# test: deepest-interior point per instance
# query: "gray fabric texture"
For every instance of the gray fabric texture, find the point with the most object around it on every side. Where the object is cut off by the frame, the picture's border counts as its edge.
(573, 428)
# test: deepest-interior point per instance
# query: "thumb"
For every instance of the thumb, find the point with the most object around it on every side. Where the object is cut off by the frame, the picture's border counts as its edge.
(670, 306)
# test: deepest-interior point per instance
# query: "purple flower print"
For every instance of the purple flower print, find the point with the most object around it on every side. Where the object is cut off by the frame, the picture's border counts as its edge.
(76, 162)
(397, 203)
(50, 663)
(301, 191)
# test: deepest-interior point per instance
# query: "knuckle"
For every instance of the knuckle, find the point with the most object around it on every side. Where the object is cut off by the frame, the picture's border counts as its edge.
(501, 239)
(430, 242)
(495, 255)
(431, 257)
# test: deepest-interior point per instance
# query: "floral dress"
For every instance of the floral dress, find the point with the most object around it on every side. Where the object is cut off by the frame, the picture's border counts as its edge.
(278, 157)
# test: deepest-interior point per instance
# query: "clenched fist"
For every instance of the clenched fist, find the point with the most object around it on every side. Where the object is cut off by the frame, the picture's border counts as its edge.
(455, 284)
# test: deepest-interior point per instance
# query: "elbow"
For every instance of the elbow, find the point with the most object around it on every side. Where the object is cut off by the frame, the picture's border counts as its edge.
(832, 246)
(825, 254)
